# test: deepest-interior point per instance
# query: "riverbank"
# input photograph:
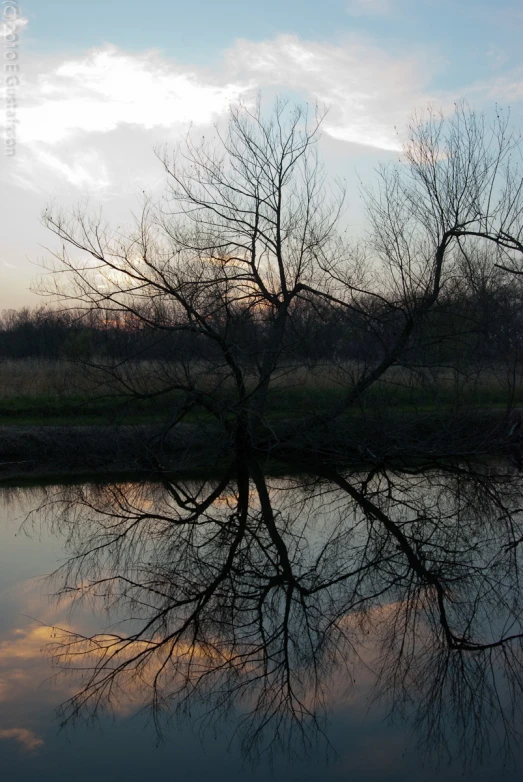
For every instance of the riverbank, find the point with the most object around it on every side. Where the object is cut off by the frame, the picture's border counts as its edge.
(388, 437)
(60, 393)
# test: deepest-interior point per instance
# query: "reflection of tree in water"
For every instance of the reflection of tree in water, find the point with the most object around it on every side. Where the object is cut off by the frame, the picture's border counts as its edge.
(250, 593)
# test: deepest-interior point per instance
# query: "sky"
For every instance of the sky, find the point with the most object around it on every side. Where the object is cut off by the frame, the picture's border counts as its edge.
(102, 84)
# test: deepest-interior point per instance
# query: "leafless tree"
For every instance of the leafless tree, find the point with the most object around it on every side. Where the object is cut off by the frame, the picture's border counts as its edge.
(241, 232)
(236, 599)
(457, 188)
(250, 231)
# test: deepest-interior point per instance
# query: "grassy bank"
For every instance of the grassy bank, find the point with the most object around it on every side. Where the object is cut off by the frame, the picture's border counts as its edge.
(44, 393)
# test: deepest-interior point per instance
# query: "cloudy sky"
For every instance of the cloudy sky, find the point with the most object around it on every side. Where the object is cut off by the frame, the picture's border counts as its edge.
(101, 84)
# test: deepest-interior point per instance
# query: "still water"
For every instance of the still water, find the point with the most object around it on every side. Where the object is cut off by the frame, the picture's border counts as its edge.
(334, 627)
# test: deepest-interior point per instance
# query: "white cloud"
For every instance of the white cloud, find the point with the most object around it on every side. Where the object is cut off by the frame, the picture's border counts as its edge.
(109, 88)
(368, 91)
(71, 107)
(503, 89)
(85, 169)
(90, 122)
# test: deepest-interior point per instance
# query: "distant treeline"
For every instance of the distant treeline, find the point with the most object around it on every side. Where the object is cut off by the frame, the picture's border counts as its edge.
(475, 320)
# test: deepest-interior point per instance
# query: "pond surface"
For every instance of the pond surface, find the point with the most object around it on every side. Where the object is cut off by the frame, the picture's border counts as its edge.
(334, 627)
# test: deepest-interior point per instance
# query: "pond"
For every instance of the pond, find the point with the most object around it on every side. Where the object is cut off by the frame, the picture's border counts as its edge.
(324, 625)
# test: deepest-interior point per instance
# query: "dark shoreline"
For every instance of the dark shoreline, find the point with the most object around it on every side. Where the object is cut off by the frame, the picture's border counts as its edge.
(29, 453)
(46, 452)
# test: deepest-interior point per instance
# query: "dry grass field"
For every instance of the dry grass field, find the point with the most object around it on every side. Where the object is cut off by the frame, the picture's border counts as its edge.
(33, 391)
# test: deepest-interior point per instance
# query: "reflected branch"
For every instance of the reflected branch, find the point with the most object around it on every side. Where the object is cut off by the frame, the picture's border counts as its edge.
(253, 597)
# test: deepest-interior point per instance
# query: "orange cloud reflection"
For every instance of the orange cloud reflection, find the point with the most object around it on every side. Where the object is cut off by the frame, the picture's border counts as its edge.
(29, 740)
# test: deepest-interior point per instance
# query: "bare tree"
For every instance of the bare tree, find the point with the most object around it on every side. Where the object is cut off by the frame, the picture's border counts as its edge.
(250, 234)
(242, 230)
(234, 598)
(458, 187)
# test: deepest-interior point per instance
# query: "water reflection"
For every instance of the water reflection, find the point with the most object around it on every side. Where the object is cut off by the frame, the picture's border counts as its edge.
(262, 598)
